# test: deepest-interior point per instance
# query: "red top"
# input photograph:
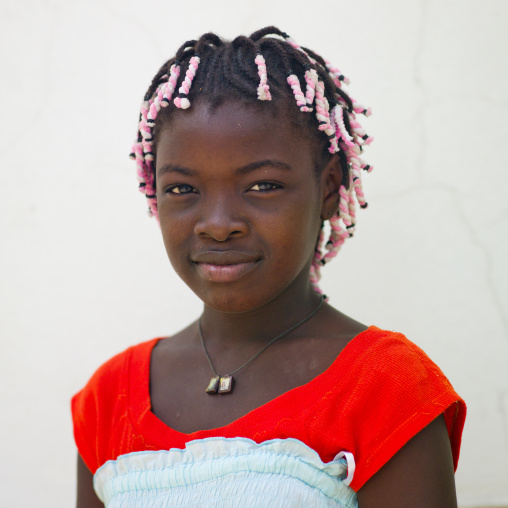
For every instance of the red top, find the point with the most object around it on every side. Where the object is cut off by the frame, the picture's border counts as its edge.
(379, 392)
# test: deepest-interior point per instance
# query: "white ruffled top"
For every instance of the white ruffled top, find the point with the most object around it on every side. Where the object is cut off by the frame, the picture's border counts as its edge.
(227, 472)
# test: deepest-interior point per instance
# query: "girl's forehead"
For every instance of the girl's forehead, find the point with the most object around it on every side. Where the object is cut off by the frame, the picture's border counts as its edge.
(238, 129)
(231, 117)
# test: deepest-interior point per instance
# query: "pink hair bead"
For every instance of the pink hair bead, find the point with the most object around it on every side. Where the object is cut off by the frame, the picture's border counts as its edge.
(301, 101)
(321, 113)
(311, 78)
(358, 108)
(183, 102)
(357, 182)
(323, 116)
(174, 74)
(337, 76)
(263, 88)
(343, 205)
(340, 126)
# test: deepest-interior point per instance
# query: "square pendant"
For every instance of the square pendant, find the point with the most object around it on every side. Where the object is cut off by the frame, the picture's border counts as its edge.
(226, 384)
(213, 385)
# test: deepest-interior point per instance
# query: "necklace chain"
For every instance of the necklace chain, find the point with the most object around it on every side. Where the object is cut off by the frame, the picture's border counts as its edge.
(227, 387)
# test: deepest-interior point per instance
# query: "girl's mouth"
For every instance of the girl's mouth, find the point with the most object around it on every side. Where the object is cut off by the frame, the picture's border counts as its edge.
(224, 273)
(224, 266)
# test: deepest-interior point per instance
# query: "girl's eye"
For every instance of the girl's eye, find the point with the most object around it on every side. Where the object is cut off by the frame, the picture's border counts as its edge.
(264, 186)
(182, 189)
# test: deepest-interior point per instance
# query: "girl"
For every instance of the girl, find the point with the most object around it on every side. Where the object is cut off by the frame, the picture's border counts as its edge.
(273, 397)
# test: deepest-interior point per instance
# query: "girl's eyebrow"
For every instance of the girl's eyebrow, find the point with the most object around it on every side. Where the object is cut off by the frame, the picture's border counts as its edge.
(260, 164)
(252, 166)
(171, 168)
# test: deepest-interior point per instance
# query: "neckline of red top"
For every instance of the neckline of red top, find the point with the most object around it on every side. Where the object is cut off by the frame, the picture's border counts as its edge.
(281, 407)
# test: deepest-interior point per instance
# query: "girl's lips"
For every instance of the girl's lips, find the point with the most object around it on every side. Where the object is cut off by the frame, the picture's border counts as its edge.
(224, 273)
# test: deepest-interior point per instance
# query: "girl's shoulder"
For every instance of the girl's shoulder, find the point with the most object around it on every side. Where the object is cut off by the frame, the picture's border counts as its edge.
(105, 400)
(387, 390)
(383, 350)
(115, 371)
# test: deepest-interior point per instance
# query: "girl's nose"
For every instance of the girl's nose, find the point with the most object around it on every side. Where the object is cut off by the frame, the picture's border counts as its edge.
(220, 220)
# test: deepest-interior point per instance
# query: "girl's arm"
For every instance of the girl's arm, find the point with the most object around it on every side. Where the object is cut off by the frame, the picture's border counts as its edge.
(420, 475)
(86, 497)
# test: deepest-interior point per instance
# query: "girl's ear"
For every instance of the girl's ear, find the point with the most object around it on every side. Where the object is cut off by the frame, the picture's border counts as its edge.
(331, 179)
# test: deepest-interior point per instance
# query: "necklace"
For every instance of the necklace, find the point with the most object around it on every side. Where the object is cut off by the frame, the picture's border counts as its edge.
(224, 384)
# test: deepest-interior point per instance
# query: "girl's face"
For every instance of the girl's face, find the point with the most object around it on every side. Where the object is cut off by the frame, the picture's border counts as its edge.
(240, 204)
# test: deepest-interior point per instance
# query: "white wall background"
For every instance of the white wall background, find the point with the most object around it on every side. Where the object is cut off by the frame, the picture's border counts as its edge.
(83, 272)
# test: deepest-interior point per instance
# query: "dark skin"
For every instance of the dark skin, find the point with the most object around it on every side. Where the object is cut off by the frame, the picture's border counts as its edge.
(236, 189)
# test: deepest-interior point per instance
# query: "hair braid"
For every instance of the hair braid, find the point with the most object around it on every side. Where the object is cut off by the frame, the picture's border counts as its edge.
(267, 66)
(268, 30)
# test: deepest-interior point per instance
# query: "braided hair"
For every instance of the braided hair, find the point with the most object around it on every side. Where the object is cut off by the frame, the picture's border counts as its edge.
(268, 66)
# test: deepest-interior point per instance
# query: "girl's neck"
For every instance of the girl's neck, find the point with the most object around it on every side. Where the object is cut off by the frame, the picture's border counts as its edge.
(259, 325)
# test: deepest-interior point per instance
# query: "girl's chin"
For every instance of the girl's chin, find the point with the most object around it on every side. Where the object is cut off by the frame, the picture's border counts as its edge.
(233, 299)
(230, 303)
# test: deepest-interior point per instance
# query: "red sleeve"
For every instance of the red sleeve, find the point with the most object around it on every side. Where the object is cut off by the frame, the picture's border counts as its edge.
(393, 391)
(97, 409)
